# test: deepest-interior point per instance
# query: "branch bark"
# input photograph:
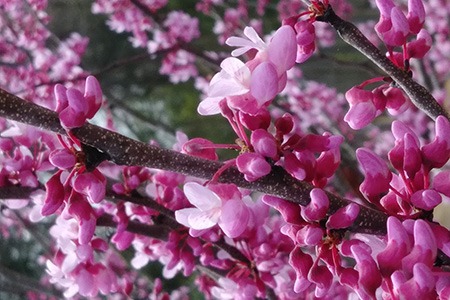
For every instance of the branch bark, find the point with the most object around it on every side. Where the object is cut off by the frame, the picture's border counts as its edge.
(125, 151)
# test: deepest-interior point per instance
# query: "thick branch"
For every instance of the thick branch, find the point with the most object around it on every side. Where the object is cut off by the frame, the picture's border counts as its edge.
(419, 95)
(126, 151)
(160, 232)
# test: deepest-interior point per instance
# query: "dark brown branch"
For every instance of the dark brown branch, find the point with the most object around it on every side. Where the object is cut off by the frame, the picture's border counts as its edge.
(126, 151)
(15, 192)
(419, 95)
(160, 232)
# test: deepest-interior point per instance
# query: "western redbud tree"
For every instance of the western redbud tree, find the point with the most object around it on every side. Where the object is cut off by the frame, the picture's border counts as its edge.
(320, 200)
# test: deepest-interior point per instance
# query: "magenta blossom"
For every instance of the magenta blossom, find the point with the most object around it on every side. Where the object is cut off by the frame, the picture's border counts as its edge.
(305, 37)
(393, 27)
(73, 107)
(253, 166)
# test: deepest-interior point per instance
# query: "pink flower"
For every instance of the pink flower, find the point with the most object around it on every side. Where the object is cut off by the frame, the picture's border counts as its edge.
(232, 80)
(416, 15)
(343, 217)
(393, 27)
(302, 264)
(231, 215)
(55, 195)
(420, 46)
(437, 153)
(420, 286)
(200, 147)
(253, 166)
(92, 184)
(305, 37)
(369, 277)
(377, 174)
(398, 245)
(362, 110)
(290, 211)
(73, 107)
(426, 199)
(250, 86)
(318, 206)
(82, 211)
(264, 143)
(63, 158)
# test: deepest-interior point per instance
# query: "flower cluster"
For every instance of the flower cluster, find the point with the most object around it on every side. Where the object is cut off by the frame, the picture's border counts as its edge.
(395, 30)
(412, 192)
(31, 57)
(155, 33)
(241, 92)
(77, 184)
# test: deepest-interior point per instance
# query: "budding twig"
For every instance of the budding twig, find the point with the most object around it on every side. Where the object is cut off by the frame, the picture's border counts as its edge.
(418, 94)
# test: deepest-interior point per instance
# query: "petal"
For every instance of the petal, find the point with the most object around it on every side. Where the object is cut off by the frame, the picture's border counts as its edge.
(264, 82)
(369, 275)
(233, 79)
(61, 97)
(236, 69)
(426, 199)
(264, 143)
(77, 101)
(441, 182)
(62, 158)
(343, 217)
(55, 195)
(93, 96)
(201, 197)
(376, 171)
(92, 185)
(71, 119)
(416, 15)
(200, 147)
(357, 95)
(360, 115)
(234, 218)
(209, 106)
(253, 166)
(282, 50)
(289, 211)
(203, 219)
(182, 215)
(253, 36)
(385, 6)
(318, 206)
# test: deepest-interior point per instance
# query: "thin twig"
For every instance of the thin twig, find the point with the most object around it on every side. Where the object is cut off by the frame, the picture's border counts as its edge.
(419, 95)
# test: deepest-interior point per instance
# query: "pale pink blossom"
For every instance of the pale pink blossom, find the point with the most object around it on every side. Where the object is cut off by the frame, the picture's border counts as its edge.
(231, 215)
